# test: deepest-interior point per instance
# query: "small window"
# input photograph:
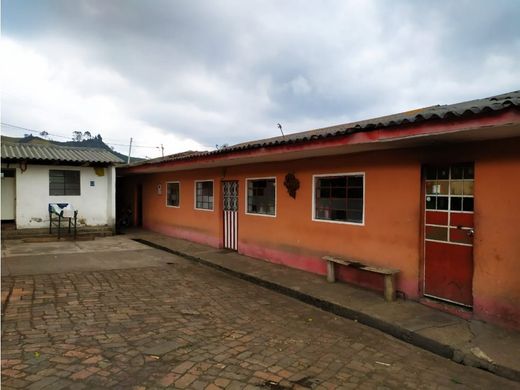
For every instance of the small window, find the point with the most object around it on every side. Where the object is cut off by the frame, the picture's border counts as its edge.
(339, 198)
(204, 195)
(64, 183)
(172, 194)
(261, 196)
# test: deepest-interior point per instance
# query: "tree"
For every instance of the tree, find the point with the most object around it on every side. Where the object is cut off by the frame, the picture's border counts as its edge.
(87, 135)
(77, 136)
(44, 134)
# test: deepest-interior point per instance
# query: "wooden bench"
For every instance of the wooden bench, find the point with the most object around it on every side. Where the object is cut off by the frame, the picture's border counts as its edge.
(389, 274)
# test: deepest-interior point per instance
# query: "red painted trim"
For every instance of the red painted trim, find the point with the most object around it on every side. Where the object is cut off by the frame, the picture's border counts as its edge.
(318, 266)
(445, 307)
(184, 234)
(498, 312)
(431, 127)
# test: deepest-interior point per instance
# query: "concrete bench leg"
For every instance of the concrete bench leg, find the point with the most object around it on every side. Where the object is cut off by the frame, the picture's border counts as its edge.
(390, 288)
(331, 277)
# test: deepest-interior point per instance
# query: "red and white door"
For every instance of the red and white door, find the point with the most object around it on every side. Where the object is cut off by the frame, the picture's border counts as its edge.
(230, 207)
(448, 232)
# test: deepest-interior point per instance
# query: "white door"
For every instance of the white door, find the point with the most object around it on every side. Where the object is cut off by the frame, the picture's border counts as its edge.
(8, 198)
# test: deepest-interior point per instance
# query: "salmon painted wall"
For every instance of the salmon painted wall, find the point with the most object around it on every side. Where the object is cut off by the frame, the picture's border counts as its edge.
(186, 222)
(391, 234)
(496, 281)
(496, 246)
(387, 238)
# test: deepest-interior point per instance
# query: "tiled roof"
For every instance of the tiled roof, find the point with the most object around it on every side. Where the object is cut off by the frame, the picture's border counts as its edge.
(438, 112)
(18, 151)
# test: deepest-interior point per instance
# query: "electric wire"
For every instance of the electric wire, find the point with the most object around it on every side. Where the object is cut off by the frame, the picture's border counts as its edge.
(69, 138)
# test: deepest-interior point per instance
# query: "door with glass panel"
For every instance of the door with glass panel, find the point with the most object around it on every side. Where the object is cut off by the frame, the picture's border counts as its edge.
(448, 232)
(230, 207)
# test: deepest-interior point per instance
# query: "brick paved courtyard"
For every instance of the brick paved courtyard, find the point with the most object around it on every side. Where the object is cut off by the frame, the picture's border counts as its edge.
(186, 326)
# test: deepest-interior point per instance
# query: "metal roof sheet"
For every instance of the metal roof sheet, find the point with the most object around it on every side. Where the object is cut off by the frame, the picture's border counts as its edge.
(18, 151)
(438, 112)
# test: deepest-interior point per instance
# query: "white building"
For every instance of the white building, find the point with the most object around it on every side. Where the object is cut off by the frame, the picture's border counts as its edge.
(33, 176)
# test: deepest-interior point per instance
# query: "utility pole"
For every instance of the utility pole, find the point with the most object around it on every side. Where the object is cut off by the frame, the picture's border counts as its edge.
(162, 150)
(129, 151)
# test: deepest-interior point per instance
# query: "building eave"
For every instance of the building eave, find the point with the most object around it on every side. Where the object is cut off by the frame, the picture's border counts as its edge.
(492, 125)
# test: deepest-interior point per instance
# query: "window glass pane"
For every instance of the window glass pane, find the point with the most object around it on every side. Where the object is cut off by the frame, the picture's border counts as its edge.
(431, 173)
(355, 204)
(430, 187)
(338, 204)
(355, 181)
(204, 195)
(338, 181)
(442, 203)
(456, 187)
(456, 203)
(443, 173)
(468, 187)
(438, 233)
(324, 182)
(172, 196)
(468, 172)
(64, 182)
(467, 204)
(338, 192)
(442, 187)
(323, 203)
(339, 198)
(355, 192)
(261, 200)
(355, 216)
(456, 172)
(338, 215)
(324, 192)
(431, 202)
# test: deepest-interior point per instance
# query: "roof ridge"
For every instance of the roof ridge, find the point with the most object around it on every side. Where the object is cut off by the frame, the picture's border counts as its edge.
(378, 120)
(49, 146)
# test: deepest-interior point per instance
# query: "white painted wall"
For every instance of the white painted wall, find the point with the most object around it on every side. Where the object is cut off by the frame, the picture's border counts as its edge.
(95, 205)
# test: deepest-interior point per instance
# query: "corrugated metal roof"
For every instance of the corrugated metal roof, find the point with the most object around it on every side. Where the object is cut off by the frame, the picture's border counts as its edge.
(438, 112)
(18, 151)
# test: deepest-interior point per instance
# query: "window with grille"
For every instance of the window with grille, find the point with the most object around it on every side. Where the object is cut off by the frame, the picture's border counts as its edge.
(64, 183)
(261, 196)
(339, 198)
(204, 195)
(173, 194)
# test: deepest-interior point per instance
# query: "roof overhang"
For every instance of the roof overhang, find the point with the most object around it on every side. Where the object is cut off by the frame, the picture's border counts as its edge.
(497, 125)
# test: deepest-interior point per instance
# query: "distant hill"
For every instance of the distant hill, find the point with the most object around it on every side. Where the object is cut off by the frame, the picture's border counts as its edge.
(94, 142)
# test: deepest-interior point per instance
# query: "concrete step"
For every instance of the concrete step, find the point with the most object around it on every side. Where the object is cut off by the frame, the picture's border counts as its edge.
(43, 233)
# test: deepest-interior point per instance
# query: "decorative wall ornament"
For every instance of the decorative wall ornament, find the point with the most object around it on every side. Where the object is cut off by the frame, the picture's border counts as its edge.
(292, 184)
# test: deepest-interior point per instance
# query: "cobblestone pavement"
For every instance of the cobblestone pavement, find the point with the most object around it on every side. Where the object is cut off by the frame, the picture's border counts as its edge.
(187, 326)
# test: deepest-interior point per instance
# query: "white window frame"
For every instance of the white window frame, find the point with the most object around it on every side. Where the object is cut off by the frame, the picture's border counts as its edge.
(166, 197)
(313, 195)
(275, 196)
(195, 194)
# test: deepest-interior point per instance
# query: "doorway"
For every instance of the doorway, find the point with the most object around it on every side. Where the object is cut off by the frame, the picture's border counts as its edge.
(448, 232)
(139, 206)
(230, 210)
(8, 194)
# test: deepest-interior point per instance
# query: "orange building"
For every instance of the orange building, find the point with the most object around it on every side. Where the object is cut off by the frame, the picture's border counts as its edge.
(434, 193)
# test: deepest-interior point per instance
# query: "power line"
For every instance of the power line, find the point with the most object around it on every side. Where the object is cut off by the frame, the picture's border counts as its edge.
(62, 136)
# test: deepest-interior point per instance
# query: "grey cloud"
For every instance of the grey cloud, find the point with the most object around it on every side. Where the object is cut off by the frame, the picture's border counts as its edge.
(228, 71)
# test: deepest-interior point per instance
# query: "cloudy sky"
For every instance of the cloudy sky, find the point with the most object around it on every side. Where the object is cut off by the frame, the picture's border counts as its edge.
(193, 74)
